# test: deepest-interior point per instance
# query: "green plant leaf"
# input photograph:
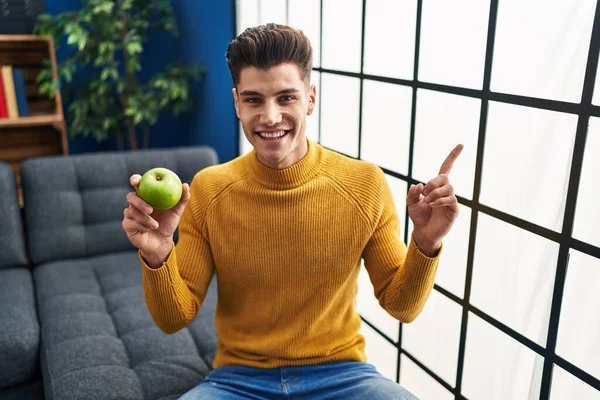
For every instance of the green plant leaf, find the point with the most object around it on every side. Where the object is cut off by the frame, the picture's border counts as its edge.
(137, 118)
(126, 5)
(134, 48)
(106, 39)
(105, 7)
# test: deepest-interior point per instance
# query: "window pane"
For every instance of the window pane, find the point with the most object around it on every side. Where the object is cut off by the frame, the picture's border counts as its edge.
(342, 35)
(434, 336)
(245, 145)
(306, 16)
(339, 118)
(527, 161)
(452, 269)
(513, 276)
(368, 306)
(419, 383)
(587, 217)
(578, 340)
(386, 125)
(273, 11)
(387, 20)
(443, 121)
(453, 39)
(247, 14)
(541, 48)
(497, 367)
(381, 353)
(312, 121)
(566, 386)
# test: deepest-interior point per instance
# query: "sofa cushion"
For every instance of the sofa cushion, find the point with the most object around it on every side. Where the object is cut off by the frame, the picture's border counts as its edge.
(33, 389)
(11, 231)
(74, 205)
(19, 329)
(99, 340)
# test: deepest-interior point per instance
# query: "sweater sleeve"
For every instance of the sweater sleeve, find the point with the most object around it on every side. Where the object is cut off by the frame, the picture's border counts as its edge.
(175, 291)
(402, 277)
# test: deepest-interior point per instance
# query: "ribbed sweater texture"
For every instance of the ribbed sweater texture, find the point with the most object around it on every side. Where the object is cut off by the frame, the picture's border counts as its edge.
(286, 246)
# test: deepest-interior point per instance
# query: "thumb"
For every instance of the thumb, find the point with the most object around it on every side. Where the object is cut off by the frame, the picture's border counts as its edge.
(185, 196)
(134, 180)
(414, 194)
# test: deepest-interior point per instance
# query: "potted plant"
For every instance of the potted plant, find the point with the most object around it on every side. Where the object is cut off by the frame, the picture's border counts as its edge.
(107, 38)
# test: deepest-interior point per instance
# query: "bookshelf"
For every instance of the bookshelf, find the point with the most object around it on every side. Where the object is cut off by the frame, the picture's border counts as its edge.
(44, 131)
(37, 120)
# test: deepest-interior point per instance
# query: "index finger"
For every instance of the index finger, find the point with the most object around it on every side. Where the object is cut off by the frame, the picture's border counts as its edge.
(449, 161)
(134, 180)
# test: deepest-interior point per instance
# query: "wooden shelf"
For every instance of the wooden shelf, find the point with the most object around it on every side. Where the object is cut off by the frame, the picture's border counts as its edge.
(24, 38)
(44, 132)
(37, 120)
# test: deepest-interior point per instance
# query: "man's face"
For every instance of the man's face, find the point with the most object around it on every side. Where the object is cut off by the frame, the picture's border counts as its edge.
(272, 106)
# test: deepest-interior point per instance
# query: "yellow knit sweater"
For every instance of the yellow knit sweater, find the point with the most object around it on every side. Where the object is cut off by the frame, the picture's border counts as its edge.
(286, 246)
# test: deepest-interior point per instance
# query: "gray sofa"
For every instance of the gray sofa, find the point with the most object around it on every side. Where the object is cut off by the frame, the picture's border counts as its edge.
(19, 328)
(97, 338)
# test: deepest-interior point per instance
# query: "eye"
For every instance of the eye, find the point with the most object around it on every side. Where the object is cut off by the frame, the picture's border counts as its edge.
(286, 99)
(252, 100)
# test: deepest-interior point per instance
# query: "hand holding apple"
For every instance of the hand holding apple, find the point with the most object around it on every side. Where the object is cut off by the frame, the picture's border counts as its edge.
(151, 229)
(161, 188)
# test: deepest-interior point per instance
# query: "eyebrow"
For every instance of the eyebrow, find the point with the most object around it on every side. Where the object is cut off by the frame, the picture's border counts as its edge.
(255, 93)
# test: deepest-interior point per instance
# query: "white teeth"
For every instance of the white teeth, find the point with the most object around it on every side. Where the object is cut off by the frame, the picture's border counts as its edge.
(272, 135)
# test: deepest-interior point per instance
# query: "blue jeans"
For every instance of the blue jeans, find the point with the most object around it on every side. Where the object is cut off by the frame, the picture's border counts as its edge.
(346, 380)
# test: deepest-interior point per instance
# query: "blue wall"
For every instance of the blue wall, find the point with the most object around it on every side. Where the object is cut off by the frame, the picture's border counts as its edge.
(205, 27)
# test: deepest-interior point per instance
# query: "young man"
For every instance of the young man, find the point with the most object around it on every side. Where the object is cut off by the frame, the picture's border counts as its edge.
(285, 228)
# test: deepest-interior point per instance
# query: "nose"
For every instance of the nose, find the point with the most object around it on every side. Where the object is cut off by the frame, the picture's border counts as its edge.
(270, 115)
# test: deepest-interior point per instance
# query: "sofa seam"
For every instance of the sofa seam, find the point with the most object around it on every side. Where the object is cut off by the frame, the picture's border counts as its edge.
(47, 363)
(85, 336)
(79, 192)
(102, 365)
(151, 325)
(68, 294)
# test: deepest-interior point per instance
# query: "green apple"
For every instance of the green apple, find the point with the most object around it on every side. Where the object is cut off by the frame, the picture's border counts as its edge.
(161, 188)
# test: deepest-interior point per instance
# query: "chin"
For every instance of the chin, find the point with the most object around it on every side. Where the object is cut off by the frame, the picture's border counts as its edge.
(275, 152)
(274, 156)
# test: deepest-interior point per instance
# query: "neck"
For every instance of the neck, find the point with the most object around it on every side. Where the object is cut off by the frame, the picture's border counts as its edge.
(296, 174)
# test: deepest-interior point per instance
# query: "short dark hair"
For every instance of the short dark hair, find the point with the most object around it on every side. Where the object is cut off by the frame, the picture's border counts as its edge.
(266, 46)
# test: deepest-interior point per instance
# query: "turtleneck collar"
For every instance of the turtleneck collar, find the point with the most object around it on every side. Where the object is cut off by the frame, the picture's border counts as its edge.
(291, 177)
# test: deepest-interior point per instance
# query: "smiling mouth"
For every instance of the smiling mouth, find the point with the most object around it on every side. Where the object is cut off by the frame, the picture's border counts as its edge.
(273, 135)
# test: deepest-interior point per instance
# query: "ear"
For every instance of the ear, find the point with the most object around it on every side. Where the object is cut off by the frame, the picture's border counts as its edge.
(312, 99)
(236, 102)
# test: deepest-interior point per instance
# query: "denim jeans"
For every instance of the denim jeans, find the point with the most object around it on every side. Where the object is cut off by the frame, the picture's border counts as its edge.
(346, 380)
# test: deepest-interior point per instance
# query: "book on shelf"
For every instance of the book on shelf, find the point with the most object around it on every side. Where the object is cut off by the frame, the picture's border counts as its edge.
(9, 91)
(13, 93)
(20, 92)
(3, 109)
